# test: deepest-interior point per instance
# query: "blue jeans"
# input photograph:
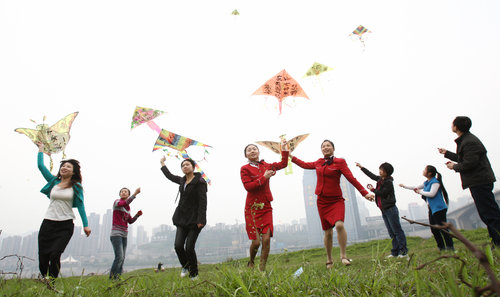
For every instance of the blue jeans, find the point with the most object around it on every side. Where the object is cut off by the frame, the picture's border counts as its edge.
(391, 220)
(119, 246)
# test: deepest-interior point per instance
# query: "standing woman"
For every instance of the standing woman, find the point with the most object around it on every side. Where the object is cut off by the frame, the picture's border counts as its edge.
(258, 211)
(119, 230)
(65, 192)
(436, 197)
(190, 216)
(330, 203)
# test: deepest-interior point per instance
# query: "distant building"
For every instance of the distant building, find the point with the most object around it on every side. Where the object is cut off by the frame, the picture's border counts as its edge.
(105, 232)
(467, 217)
(417, 211)
(142, 236)
(355, 232)
(11, 245)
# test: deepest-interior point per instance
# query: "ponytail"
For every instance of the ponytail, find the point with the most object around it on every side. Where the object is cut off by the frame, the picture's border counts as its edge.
(443, 189)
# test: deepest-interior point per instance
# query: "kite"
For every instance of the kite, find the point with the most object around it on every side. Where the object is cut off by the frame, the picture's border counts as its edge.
(146, 115)
(54, 138)
(359, 32)
(175, 141)
(235, 12)
(276, 147)
(281, 86)
(179, 143)
(316, 70)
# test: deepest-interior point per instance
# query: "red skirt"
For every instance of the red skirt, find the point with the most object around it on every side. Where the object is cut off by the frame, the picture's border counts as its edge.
(331, 210)
(259, 219)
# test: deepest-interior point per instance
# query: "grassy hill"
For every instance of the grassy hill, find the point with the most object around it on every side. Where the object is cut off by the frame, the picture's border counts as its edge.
(370, 274)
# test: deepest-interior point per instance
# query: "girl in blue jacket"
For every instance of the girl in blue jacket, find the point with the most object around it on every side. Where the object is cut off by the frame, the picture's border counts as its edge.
(434, 193)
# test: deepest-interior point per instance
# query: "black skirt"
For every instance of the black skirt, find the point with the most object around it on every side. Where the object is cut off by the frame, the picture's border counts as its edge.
(54, 236)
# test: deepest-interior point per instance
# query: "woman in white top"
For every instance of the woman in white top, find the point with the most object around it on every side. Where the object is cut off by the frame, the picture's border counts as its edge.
(65, 192)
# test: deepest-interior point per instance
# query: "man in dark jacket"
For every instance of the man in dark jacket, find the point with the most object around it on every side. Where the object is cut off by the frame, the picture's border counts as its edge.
(476, 174)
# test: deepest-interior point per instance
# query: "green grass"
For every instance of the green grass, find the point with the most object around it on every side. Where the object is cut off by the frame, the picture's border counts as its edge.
(370, 274)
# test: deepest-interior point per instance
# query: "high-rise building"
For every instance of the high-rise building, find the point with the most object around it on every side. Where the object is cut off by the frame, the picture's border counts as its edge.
(11, 245)
(105, 231)
(142, 236)
(417, 212)
(314, 230)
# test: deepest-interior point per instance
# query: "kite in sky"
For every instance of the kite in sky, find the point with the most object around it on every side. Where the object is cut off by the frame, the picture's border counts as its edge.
(54, 138)
(146, 115)
(360, 32)
(281, 86)
(276, 147)
(235, 12)
(316, 70)
(179, 143)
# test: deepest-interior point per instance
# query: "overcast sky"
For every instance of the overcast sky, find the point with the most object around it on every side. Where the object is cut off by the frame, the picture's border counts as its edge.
(425, 62)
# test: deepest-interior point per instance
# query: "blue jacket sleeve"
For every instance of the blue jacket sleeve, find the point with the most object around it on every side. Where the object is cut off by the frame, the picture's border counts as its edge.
(45, 172)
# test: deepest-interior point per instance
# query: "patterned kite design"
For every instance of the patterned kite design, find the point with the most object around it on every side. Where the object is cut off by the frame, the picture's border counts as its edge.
(281, 86)
(175, 141)
(360, 32)
(276, 147)
(54, 138)
(146, 115)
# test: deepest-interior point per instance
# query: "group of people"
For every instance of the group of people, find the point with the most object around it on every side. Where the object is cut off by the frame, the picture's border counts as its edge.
(65, 193)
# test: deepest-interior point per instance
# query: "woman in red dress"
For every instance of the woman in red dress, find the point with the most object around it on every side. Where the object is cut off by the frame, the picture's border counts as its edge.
(258, 211)
(330, 202)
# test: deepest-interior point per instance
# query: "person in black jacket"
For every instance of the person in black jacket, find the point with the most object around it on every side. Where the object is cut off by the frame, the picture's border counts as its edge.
(386, 201)
(476, 173)
(190, 215)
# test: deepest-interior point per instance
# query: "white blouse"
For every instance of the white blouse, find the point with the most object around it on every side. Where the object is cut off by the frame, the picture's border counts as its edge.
(61, 204)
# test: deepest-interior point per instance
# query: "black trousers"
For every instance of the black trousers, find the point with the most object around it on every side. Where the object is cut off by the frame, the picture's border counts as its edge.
(185, 241)
(488, 210)
(53, 238)
(443, 239)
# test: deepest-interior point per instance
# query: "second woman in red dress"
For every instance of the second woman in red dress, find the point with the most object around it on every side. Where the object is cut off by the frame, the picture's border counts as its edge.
(330, 203)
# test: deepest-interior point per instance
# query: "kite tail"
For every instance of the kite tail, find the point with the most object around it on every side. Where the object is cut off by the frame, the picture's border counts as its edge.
(51, 163)
(280, 106)
(154, 126)
(289, 168)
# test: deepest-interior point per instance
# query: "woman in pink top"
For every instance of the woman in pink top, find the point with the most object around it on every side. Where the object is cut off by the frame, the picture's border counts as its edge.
(119, 231)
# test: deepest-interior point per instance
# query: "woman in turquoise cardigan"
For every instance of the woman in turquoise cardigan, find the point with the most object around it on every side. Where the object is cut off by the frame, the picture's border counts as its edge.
(65, 192)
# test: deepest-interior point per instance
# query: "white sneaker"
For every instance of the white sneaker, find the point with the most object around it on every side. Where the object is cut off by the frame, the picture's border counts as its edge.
(403, 256)
(390, 256)
(184, 272)
(193, 278)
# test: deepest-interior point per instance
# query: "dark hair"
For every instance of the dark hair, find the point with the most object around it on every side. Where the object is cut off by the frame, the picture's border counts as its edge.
(190, 161)
(124, 189)
(326, 140)
(245, 150)
(433, 171)
(388, 169)
(462, 123)
(77, 175)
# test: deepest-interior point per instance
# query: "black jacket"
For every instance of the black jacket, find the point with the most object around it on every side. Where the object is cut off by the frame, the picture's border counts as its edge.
(192, 207)
(472, 162)
(383, 191)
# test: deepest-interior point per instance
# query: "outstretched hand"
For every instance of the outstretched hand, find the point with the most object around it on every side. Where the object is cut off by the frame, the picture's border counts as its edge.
(162, 160)
(442, 150)
(139, 213)
(359, 165)
(137, 191)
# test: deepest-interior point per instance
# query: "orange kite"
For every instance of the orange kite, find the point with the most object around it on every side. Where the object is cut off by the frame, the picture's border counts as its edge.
(281, 85)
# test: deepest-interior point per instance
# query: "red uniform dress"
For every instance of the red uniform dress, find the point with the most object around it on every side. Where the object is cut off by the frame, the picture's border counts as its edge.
(330, 202)
(258, 210)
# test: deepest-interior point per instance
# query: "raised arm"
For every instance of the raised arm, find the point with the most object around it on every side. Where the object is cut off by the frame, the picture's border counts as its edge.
(283, 163)
(348, 175)
(123, 202)
(448, 155)
(173, 178)
(433, 191)
(368, 173)
(411, 187)
(471, 157)
(45, 172)
(302, 164)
